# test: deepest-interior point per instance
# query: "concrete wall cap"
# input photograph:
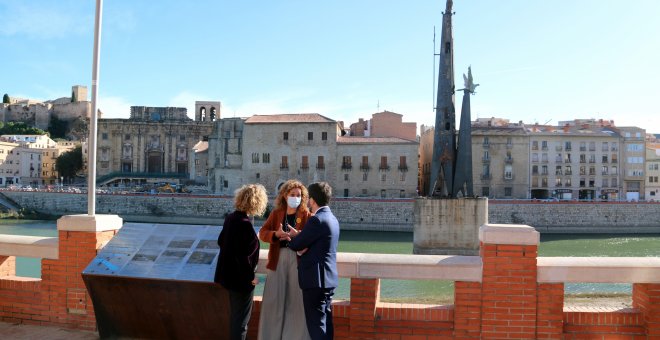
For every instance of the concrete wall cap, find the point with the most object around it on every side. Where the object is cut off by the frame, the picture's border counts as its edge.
(514, 234)
(89, 223)
(402, 267)
(29, 246)
(599, 269)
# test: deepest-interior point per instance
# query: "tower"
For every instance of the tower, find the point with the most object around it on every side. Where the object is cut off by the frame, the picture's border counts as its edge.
(207, 111)
(444, 141)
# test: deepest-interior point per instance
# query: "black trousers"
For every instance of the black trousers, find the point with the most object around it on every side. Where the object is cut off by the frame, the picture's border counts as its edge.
(318, 312)
(240, 304)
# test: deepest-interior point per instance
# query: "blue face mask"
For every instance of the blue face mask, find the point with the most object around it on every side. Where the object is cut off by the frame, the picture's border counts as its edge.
(293, 202)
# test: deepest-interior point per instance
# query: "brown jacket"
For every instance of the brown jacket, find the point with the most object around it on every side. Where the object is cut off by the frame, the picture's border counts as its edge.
(272, 224)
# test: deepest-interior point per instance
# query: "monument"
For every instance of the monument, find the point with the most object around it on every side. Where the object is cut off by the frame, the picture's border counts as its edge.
(448, 221)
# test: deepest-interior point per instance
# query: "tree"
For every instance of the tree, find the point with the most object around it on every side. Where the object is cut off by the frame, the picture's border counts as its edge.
(20, 128)
(57, 128)
(68, 163)
(5, 99)
(73, 97)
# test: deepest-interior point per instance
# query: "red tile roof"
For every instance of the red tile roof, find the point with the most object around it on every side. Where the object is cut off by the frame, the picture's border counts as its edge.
(289, 118)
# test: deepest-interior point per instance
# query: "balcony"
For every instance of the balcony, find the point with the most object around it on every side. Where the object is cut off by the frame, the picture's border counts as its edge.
(403, 167)
(304, 166)
(365, 167)
(384, 167)
(346, 166)
(486, 176)
(320, 166)
(485, 159)
(284, 166)
(508, 160)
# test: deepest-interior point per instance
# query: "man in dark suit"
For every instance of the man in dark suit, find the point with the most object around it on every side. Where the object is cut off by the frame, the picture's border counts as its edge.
(317, 269)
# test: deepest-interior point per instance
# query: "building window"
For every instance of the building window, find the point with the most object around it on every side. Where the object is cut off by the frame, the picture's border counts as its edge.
(285, 136)
(285, 162)
(544, 145)
(345, 192)
(544, 169)
(324, 135)
(320, 163)
(544, 158)
(535, 157)
(365, 163)
(364, 176)
(508, 191)
(345, 177)
(568, 146)
(255, 157)
(310, 135)
(558, 170)
(485, 191)
(614, 182)
(535, 145)
(346, 162)
(305, 163)
(265, 158)
(383, 163)
(604, 160)
(383, 177)
(535, 169)
(592, 146)
(402, 178)
(104, 136)
(605, 147)
(258, 175)
(508, 171)
(568, 182)
(486, 142)
(403, 165)
(383, 193)
(614, 170)
(544, 182)
(603, 170)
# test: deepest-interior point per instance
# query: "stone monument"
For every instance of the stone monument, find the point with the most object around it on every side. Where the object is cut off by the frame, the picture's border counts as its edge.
(448, 221)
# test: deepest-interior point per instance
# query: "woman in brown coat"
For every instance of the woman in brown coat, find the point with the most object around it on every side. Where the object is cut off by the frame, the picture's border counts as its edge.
(282, 314)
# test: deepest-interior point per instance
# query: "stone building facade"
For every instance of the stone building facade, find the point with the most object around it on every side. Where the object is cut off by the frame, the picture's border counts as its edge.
(652, 185)
(633, 154)
(500, 159)
(383, 167)
(270, 149)
(583, 159)
(157, 141)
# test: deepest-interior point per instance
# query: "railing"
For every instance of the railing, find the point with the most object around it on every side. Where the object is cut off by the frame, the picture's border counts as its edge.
(116, 174)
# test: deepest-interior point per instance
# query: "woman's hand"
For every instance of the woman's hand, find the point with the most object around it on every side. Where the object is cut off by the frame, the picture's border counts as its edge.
(293, 232)
(255, 281)
(282, 235)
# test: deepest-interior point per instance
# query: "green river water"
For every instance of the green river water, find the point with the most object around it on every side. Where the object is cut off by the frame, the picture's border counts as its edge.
(421, 291)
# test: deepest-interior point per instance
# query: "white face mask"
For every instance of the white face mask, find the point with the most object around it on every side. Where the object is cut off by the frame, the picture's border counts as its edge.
(293, 202)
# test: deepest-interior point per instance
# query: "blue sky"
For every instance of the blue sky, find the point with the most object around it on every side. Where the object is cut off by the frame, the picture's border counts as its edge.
(535, 60)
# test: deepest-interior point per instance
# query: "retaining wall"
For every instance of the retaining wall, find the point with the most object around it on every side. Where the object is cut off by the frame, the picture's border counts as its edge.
(357, 213)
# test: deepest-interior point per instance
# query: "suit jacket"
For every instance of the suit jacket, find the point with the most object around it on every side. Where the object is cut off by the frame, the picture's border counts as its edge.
(239, 253)
(272, 224)
(318, 266)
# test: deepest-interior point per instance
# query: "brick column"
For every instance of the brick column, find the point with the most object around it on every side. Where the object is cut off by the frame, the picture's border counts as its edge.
(80, 236)
(467, 310)
(365, 294)
(646, 297)
(7, 265)
(509, 284)
(550, 311)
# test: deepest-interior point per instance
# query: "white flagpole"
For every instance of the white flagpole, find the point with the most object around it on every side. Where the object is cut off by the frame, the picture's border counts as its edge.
(91, 146)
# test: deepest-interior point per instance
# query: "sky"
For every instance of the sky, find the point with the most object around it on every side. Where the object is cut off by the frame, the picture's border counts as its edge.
(536, 61)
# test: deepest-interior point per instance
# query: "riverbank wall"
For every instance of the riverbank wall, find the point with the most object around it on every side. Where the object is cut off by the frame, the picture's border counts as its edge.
(357, 213)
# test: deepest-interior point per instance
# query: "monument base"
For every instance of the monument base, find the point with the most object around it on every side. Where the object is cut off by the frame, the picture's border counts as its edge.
(448, 226)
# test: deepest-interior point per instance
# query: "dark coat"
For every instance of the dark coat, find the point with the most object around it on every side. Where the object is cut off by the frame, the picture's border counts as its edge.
(239, 253)
(318, 266)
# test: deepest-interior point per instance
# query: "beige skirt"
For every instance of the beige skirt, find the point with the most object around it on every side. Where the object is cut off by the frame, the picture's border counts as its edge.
(282, 315)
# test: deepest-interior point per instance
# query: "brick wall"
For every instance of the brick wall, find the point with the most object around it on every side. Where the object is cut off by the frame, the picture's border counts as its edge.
(59, 297)
(508, 303)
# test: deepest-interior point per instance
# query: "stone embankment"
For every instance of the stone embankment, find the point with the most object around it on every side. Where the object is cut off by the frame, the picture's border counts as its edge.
(357, 213)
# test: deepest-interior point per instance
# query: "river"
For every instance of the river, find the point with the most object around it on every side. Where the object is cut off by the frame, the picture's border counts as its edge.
(420, 291)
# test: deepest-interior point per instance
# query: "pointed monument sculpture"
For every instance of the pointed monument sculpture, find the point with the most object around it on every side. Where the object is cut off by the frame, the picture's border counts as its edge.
(448, 220)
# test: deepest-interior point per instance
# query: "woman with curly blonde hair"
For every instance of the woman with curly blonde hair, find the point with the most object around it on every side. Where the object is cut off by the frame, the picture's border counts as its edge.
(282, 313)
(239, 254)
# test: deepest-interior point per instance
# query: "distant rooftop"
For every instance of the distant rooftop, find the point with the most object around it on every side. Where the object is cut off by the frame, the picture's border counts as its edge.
(289, 118)
(372, 140)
